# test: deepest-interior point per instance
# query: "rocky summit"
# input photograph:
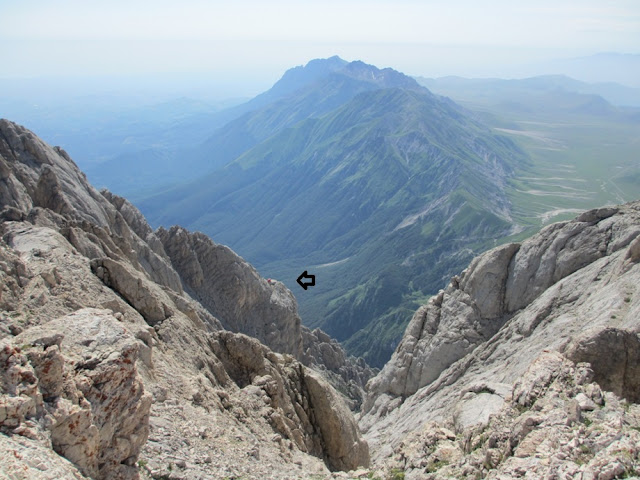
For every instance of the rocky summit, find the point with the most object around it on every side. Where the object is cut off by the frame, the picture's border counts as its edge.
(129, 353)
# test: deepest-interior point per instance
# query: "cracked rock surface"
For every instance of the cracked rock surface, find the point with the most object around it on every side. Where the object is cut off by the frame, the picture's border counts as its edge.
(119, 362)
(568, 294)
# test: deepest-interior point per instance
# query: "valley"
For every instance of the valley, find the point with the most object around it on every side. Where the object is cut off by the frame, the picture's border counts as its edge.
(320, 240)
(584, 151)
(139, 354)
(384, 182)
(379, 186)
(380, 248)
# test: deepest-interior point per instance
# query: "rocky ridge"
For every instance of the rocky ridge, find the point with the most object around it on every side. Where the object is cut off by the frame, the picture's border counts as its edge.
(556, 423)
(347, 374)
(120, 360)
(243, 301)
(105, 343)
(540, 339)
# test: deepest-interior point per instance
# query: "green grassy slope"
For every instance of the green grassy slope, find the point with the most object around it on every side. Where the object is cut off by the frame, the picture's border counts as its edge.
(397, 186)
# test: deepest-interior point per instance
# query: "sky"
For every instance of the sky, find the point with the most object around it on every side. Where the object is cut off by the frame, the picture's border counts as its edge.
(248, 44)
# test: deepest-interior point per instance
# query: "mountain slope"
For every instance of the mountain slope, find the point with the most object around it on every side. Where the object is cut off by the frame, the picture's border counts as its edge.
(112, 334)
(322, 88)
(395, 183)
(185, 150)
(583, 150)
(148, 148)
(530, 351)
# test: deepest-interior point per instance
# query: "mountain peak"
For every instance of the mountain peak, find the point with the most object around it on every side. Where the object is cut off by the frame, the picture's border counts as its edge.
(334, 61)
(385, 78)
(298, 77)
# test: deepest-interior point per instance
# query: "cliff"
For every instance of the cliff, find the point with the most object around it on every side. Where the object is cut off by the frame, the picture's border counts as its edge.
(125, 351)
(532, 347)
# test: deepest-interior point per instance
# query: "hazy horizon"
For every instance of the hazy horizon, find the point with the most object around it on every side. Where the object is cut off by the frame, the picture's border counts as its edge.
(241, 49)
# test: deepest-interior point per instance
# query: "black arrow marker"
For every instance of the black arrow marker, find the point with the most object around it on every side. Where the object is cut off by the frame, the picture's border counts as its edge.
(305, 276)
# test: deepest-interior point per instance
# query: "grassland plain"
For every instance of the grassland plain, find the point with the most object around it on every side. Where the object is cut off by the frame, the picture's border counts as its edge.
(578, 163)
(584, 151)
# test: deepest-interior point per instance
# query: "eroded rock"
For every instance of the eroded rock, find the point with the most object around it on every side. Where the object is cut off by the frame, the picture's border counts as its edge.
(233, 292)
(74, 381)
(304, 408)
(614, 355)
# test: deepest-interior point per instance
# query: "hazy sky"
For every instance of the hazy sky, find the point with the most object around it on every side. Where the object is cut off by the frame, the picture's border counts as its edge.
(261, 39)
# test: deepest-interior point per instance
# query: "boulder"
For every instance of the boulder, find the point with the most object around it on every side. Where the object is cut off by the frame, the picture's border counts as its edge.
(76, 378)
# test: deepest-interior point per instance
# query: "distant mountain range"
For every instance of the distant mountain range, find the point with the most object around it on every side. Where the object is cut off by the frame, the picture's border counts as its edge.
(557, 91)
(621, 68)
(361, 176)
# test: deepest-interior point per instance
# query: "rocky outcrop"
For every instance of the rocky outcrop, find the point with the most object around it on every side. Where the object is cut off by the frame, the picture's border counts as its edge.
(73, 382)
(233, 291)
(571, 289)
(36, 175)
(470, 311)
(556, 423)
(105, 344)
(496, 286)
(615, 358)
(349, 375)
(146, 297)
(43, 185)
(298, 403)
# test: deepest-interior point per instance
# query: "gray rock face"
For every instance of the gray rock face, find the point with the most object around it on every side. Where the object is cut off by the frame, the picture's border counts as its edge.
(93, 315)
(22, 458)
(615, 358)
(35, 175)
(349, 375)
(301, 406)
(146, 297)
(452, 324)
(572, 288)
(233, 291)
(43, 183)
(561, 249)
(77, 375)
(496, 285)
(555, 422)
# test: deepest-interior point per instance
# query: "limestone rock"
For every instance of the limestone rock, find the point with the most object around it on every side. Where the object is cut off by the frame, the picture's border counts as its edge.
(615, 358)
(45, 184)
(87, 290)
(492, 290)
(468, 312)
(347, 374)
(572, 289)
(40, 176)
(561, 249)
(146, 297)
(233, 291)
(324, 424)
(344, 448)
(536, 434)
(148, 247)
(77, 375)
(22, 458)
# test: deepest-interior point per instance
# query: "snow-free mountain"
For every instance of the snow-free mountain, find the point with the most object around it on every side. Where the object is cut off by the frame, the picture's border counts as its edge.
(128, 353)
(360, 176)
